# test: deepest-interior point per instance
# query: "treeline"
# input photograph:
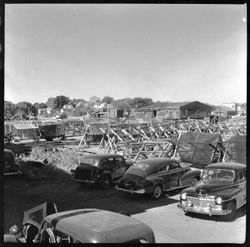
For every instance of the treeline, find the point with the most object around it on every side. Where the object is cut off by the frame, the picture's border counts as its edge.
(26, 110)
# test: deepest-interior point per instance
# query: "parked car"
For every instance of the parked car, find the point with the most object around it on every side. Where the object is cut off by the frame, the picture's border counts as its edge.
(155, 176)
(81, 226)
(221, 191)
(11, 167)
(102, 169)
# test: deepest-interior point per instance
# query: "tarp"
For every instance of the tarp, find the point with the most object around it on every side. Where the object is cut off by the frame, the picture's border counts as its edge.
(196, 147)
(236, 149)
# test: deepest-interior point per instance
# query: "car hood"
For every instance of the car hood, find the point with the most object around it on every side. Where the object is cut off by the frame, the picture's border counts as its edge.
(206, 188)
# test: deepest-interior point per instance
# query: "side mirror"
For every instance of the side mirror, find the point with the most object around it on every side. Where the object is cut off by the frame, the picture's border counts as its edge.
(13, 230)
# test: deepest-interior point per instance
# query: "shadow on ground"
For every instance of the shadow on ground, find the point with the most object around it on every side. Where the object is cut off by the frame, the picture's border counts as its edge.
(22, 193)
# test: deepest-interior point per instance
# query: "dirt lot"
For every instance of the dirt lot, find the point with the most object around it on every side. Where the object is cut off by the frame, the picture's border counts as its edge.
(20, 195)
(168, 222)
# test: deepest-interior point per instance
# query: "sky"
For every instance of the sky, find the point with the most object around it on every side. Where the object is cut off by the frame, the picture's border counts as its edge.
(165, 52)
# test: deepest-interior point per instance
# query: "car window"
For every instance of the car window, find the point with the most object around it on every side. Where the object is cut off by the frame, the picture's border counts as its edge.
(163, 168)
(119, 162)
(173, 166)
(108, 162)
(241, 176)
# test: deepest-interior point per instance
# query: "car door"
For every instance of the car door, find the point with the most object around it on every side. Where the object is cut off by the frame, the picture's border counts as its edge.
(164, 174)
(120, 167)
(241, 181)
(36, 214)
(175, 172)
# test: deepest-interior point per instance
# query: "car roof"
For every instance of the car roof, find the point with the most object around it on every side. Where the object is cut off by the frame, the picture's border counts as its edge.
(95, 225)
(155, 162)
(228, 165)
(102, 156)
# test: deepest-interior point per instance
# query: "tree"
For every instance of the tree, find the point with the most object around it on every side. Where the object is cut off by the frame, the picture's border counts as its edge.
(40, 105)
(60, 101)
(107, 99)
(141, 102)
(74, 102)
(24, 107)
(9, 110)
(50, 102)
(93, 99)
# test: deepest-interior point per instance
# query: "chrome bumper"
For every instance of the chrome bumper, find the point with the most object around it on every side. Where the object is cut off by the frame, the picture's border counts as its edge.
(140, 191)
(203, 210)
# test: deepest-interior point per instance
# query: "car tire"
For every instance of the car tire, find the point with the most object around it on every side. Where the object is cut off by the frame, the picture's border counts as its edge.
(157, 192)
(231, 206)
(106, 182)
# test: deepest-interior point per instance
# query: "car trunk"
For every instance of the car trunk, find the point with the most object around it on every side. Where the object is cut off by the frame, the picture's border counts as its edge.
(85, 172)
(132, 178)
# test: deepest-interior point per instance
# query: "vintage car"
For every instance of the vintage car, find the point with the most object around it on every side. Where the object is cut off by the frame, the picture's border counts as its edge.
(81, 226)
(11, 167)
(102, 169)
(157, 175)
(221, 190)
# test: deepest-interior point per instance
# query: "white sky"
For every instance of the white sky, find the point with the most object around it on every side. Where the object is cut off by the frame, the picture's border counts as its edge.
(165, 52)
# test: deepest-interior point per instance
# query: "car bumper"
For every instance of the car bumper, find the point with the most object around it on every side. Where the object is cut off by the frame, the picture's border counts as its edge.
(209, 210)
(85, 181)
(131, 191)
(12, 173)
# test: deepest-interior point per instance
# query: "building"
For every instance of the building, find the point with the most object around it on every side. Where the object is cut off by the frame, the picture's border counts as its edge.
(173, 110)
(224, 112)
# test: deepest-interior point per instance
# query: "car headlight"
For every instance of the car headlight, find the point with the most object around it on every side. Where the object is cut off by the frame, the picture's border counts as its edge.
(218, 200)
(184, 196)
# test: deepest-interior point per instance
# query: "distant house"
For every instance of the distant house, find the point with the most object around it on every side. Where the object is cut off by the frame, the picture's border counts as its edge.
(224, 111)
(173, 110)
(116, 113)
(230, 105)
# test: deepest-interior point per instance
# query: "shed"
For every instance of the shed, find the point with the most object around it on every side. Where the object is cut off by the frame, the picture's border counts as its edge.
(195, 110)
(26, 131)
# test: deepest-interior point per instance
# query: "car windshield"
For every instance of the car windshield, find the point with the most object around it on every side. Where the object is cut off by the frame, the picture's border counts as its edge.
(213, 175)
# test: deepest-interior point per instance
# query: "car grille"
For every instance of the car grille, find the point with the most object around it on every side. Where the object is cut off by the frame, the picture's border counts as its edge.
(82, 174)
(201, 201)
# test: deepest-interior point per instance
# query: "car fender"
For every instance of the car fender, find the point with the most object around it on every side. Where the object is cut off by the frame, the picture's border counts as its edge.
(156, 180)
(190, 175)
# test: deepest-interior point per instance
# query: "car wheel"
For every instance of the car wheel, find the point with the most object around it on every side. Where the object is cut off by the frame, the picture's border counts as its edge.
(232, 207)
(106, 182)
(157, 193)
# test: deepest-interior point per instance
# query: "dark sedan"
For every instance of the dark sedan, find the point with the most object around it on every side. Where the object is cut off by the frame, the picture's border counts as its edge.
(155, 176)
(102, 169)
(221, 190)
(11, 167)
